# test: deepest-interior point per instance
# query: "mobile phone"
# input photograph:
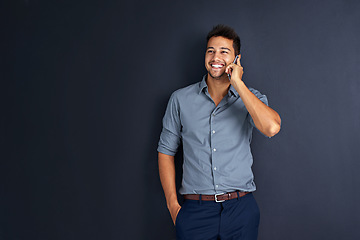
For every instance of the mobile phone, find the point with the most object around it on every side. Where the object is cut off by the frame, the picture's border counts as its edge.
(237, 56)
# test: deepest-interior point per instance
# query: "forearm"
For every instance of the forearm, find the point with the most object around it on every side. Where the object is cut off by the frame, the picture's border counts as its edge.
(265, 118)
(167, 178)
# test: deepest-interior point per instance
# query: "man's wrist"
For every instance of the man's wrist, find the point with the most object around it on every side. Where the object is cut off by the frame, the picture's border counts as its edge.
(239, 85)
(172, 202)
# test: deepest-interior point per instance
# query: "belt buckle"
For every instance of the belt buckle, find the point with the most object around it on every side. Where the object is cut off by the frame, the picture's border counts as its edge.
(216, 195)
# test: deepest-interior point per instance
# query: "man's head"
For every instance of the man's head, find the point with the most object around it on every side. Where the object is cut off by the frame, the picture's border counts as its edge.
(226, 32)
(223, 44)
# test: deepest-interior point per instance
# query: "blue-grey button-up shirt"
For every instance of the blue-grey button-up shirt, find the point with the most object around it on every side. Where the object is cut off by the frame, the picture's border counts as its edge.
(216, 139)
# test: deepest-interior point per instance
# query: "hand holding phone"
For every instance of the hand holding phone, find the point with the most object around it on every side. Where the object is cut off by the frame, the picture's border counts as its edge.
(237, 56)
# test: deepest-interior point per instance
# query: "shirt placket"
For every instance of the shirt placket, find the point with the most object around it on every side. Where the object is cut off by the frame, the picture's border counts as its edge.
(215, 150)
(214, 155)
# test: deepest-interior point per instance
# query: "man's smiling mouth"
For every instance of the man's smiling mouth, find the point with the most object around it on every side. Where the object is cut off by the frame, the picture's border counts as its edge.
(217, 65)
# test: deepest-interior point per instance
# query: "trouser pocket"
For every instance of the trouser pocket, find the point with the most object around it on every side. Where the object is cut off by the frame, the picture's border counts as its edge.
(178, 217)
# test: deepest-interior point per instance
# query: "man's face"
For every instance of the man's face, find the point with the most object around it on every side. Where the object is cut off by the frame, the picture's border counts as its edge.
(219, 53)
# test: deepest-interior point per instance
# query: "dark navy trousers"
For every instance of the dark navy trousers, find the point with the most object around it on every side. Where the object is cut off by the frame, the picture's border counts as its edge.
(207, 220)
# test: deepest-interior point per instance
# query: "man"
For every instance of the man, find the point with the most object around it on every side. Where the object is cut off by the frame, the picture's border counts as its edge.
(214, 120)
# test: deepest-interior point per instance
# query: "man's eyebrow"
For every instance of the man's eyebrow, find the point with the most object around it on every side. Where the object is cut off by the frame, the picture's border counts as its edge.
(220, 48)
(225, 48)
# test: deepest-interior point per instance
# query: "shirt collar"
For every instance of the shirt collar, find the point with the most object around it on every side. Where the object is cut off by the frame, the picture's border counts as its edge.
(232, 91)
(203, 85)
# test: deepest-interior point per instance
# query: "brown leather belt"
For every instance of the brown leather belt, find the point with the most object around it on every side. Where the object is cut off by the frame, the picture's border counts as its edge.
(217, 197)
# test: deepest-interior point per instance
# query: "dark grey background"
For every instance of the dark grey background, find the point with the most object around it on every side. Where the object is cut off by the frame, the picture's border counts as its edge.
(84, 86)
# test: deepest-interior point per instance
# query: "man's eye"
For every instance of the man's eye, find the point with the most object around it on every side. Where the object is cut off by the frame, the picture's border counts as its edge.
(210, 51)
(225, 52)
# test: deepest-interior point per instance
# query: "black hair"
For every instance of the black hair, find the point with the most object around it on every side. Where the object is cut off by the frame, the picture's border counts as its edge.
(226, 32)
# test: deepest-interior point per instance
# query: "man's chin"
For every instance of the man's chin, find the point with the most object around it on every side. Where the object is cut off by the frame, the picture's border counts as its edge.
(217, 77)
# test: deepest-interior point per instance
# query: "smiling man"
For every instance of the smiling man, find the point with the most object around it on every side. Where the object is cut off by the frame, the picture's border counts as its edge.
(214, 120)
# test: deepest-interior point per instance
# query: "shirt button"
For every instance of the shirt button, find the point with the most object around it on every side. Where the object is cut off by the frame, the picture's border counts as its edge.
(213, 114)
(213, 131)
(215, 168)
(217, 186)
(214, 149)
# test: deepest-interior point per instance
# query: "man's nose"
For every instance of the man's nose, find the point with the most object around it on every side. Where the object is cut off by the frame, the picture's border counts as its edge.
(216, 56)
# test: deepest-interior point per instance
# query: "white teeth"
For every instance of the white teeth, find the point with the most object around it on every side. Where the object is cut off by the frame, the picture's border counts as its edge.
(217, 66)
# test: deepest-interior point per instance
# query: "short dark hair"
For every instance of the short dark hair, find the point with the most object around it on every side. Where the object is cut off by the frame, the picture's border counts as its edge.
(226, 32)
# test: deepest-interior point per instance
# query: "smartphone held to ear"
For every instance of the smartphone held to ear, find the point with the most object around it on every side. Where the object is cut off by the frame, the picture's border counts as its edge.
(237, 56)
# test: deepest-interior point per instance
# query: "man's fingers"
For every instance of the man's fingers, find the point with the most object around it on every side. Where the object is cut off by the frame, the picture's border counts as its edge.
(176, 213)
(229, 68)
(238, 60)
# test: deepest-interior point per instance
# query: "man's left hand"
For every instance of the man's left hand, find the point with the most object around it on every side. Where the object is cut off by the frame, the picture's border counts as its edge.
(236, 71)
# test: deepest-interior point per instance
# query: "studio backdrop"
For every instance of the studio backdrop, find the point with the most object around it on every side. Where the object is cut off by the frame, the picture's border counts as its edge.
(85, 86)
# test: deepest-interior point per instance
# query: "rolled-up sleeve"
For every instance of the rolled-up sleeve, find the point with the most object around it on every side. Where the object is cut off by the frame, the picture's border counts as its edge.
(262, 98)
(171, 132)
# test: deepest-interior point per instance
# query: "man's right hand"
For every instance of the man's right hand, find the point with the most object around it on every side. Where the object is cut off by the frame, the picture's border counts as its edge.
(174, 211)
(167, 177)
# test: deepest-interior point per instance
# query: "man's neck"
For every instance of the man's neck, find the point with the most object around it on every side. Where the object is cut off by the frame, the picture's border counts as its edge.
(218, 88)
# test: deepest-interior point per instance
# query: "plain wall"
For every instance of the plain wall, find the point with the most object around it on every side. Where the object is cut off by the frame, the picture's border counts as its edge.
(84, 86)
